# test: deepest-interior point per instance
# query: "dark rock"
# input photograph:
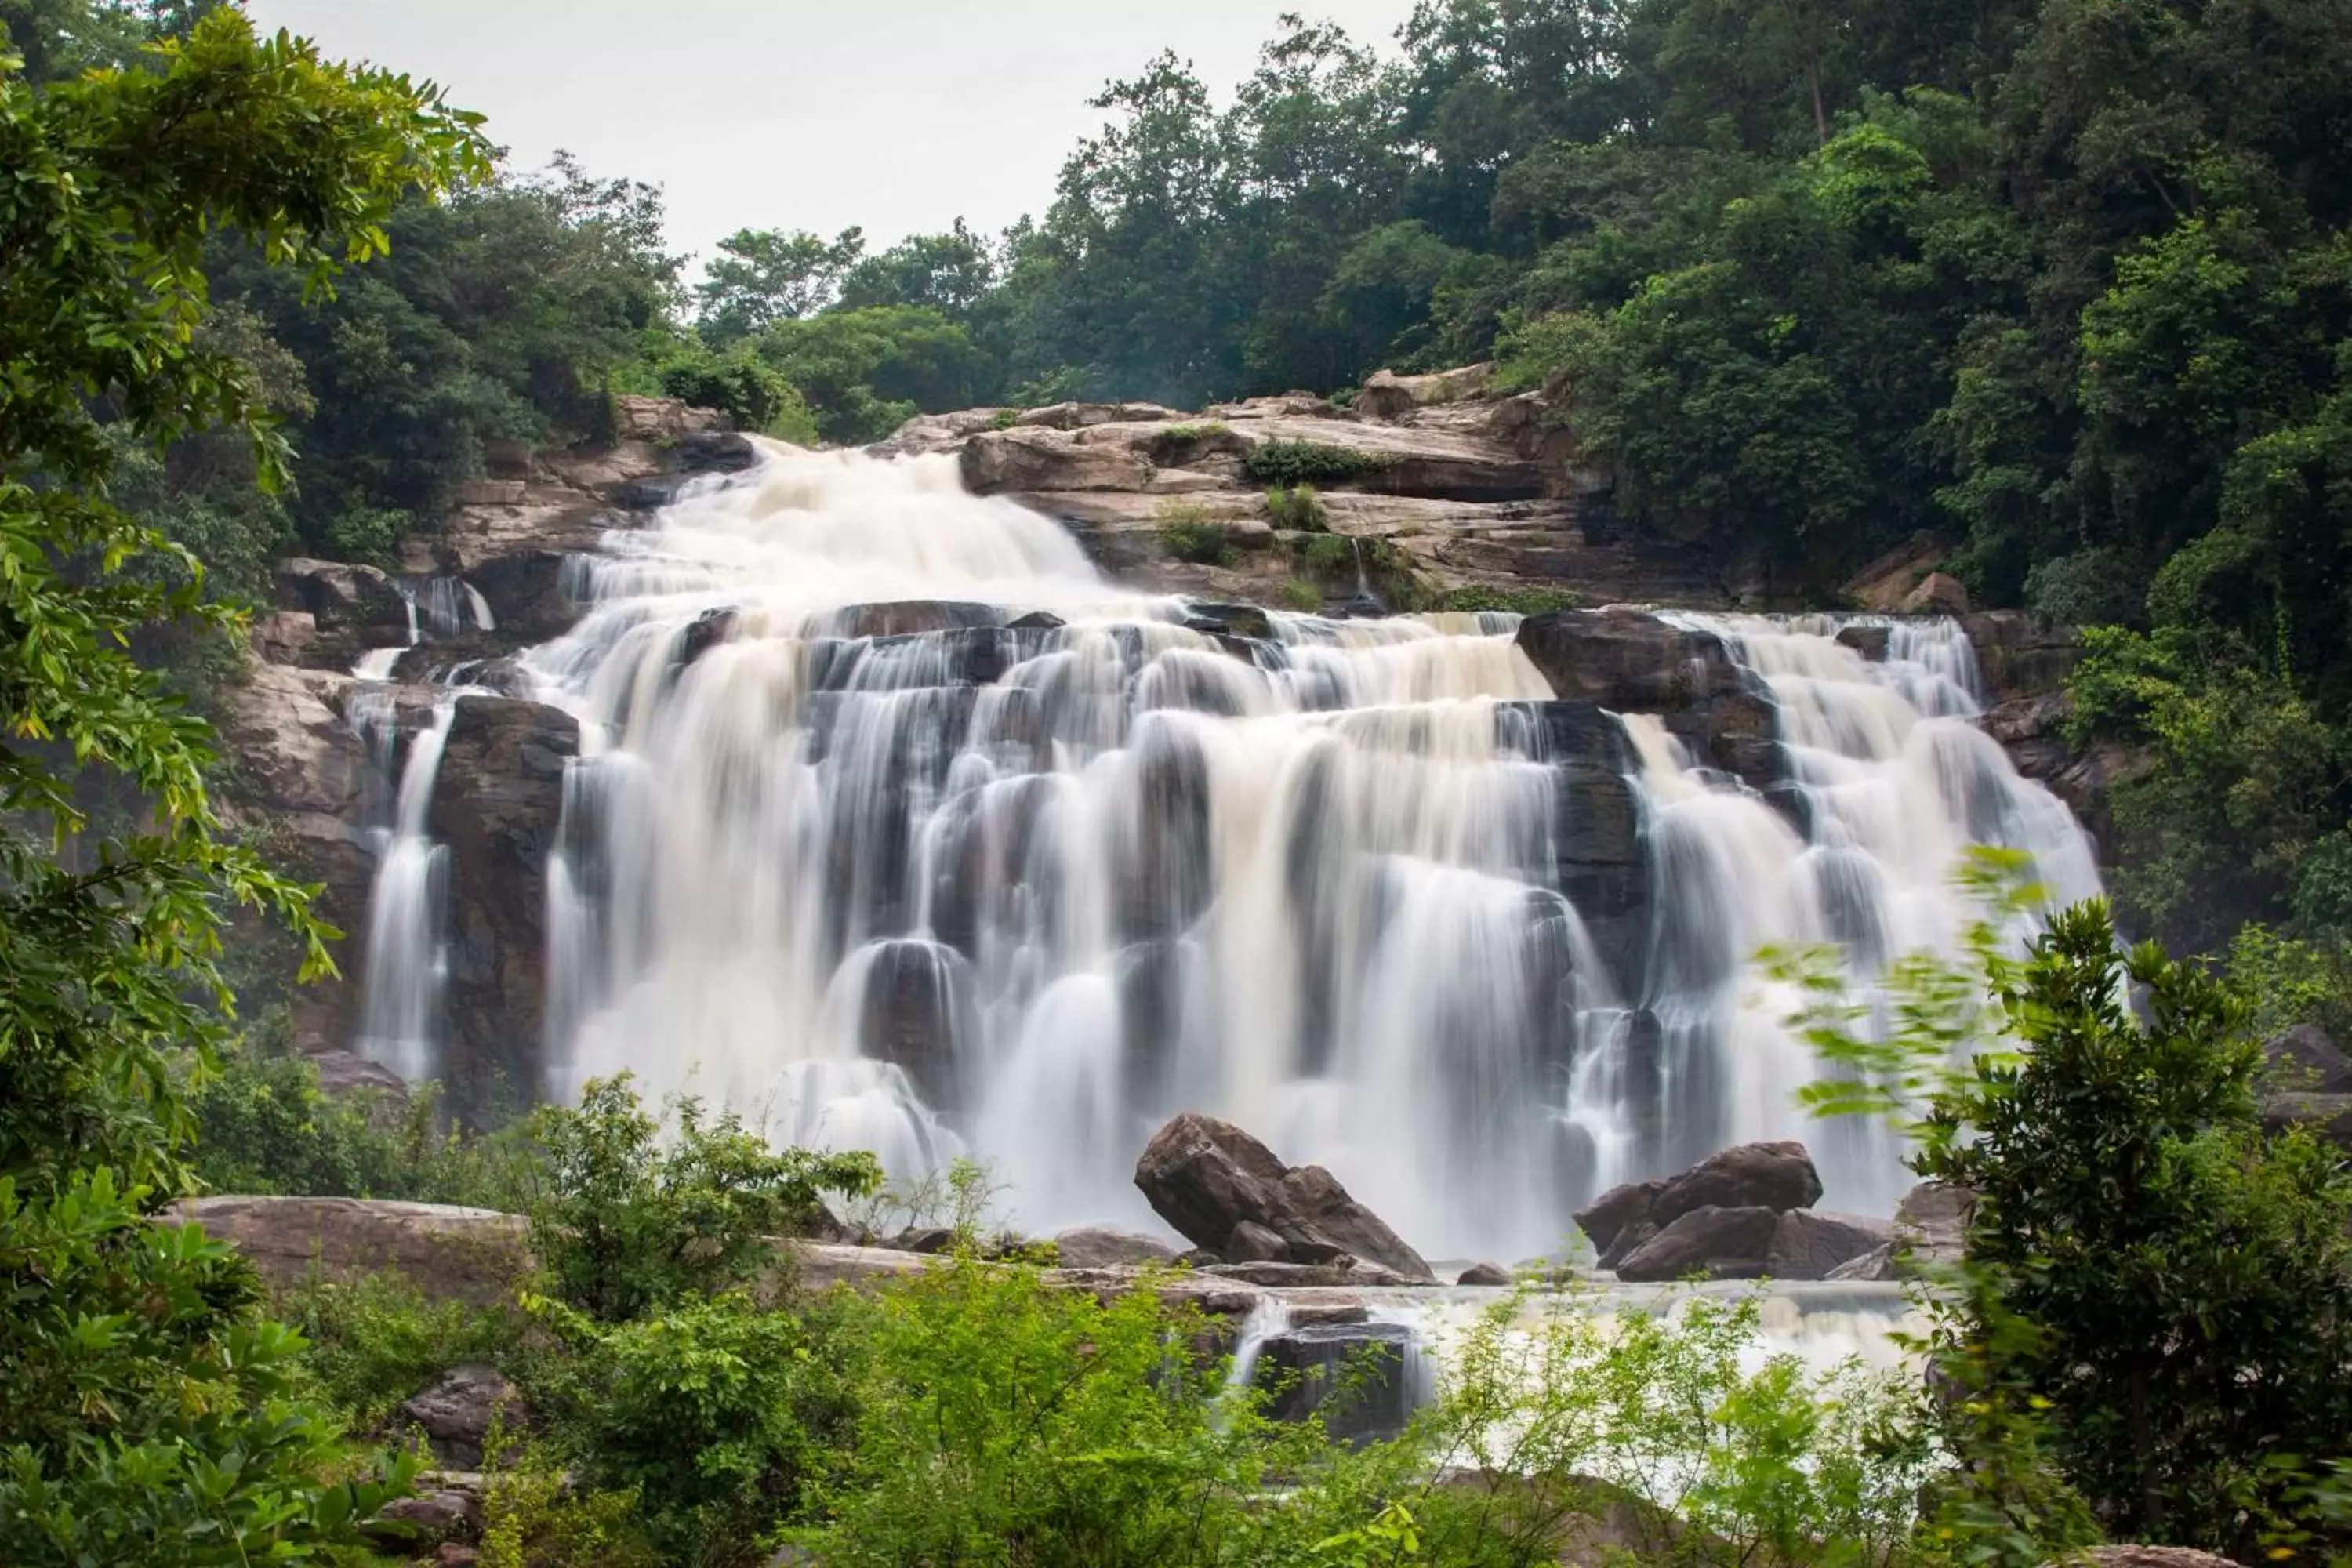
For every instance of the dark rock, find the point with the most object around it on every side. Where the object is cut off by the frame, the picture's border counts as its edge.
(650, 493)
(459, 1408)
(1774, 1176)
(2303, 1061)
(1038, 621)
(1107, 1246)
(915, 1011)
(1629, 661)
(1231, 620)
(927, 1239)
(1253, 1243)
(1205, 1177)
(910, 616)
(1870, 641)
(430, 1518)
(716, 452)
(2328, 1116)
(1199, 1257)
(1484, 1274)
(1357, 1377)
(1277, 1274)
(498, 804)
(1716, 1243)
(1809, 1245)
(1616, 1211)
(1166, 873)
(703, 633)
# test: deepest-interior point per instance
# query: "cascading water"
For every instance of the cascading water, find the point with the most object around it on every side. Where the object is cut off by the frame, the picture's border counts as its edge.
(404, 969)
(897, 825)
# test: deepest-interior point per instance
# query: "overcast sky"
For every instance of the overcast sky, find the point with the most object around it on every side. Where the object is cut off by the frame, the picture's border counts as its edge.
(899, 115)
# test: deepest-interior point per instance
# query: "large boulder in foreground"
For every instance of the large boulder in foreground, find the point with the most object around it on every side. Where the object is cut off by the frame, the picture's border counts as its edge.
(1208, 1177)
(1719, 1243)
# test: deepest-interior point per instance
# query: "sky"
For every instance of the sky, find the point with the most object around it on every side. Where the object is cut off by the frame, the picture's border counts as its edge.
(895, 115)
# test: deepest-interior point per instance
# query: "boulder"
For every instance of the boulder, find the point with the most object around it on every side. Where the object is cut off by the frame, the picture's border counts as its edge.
(1777, 1177)
(2143, 1557)
(1108, 1246)
(1618, 1214)
(449, 1253)
(1931, 1223)
(1810, 1245)
(459, 1408)
(2305, 1060)
(1205, 1177)
(1712, 1242)
(663, 418)
(1037, 458)
(1874, 1267)
(1938, 594)
(2328, 1116)
(1629, 661)
(1484, 1274)
(1253, 1243)
(1357, 1377)
(345, 1072)
(1388, 395)
(433, 1516)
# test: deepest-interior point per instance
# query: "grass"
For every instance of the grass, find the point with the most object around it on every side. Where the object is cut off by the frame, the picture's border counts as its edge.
(1298, 508)
(1300, 594)
(1511, 601)
(1189, 533)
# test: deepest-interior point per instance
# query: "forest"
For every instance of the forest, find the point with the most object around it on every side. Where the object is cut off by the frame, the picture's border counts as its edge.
(2063, 287)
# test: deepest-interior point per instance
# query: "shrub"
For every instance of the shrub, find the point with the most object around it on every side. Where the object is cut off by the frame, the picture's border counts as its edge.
(626, 1221)
(1327, 554)
(1004, 419)
(753, 394)
(700, 1409)
(1298, 508)
(1508, 601)
(376, 1341)
(534, 1515)
(1191, 534)
(2285, 982)
(1290, 463)
(369, 534)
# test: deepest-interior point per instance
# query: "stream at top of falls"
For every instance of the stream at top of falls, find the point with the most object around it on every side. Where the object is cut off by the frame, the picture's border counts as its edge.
(864, 845)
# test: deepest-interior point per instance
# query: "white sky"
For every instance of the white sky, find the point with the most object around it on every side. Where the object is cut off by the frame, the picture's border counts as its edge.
(899, 115)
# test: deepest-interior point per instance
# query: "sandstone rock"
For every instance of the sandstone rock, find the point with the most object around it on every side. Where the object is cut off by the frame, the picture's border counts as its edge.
(433, 1516)
(663, 418)
(491, 492)
(347, 1072)
(451, 1253)
(1387, 395)
(1204, 1177)
(1717, 1243)
(1031, 459)
(1356, 1376)
(1107, 1246)
(1870, 641)
(2143, 1557)
(1079, 416)
(1810, 1245)
(451, 1554)
(1486, 1274)
(497, 803)
(1885, 582)
(459, 1408)
(2305, 1060)
(1774, 1176)
(1938, 594)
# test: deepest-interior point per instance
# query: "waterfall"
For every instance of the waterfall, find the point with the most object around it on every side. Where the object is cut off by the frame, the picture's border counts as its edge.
(405, 966)
(896, 825)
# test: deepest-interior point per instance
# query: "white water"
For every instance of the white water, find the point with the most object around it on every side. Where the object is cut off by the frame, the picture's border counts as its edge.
(405, 966)
(1027, 891)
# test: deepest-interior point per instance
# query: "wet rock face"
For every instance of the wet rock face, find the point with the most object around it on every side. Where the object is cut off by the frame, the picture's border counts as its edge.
(1208, 1178)
(1628, 661)
(916, 1008)
(497, 804)
(1356, 1376)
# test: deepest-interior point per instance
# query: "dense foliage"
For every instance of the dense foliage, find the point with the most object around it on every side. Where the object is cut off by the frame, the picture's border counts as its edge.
(2158, 1291)
(151, 1409)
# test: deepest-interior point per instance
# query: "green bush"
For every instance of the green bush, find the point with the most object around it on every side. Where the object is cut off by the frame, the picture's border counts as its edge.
(745, 388)
(1305, 597)
(627, 1219)
(1508, 601)
(369, 534)
(1292, 463)
(701, 1409)
(1298, 508)
(1191, 534)
(1327, 554)
(377, 1339)
(2285, 982)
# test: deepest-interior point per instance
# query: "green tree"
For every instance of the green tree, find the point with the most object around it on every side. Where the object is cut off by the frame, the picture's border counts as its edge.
(148, 1405)
(761, 277)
